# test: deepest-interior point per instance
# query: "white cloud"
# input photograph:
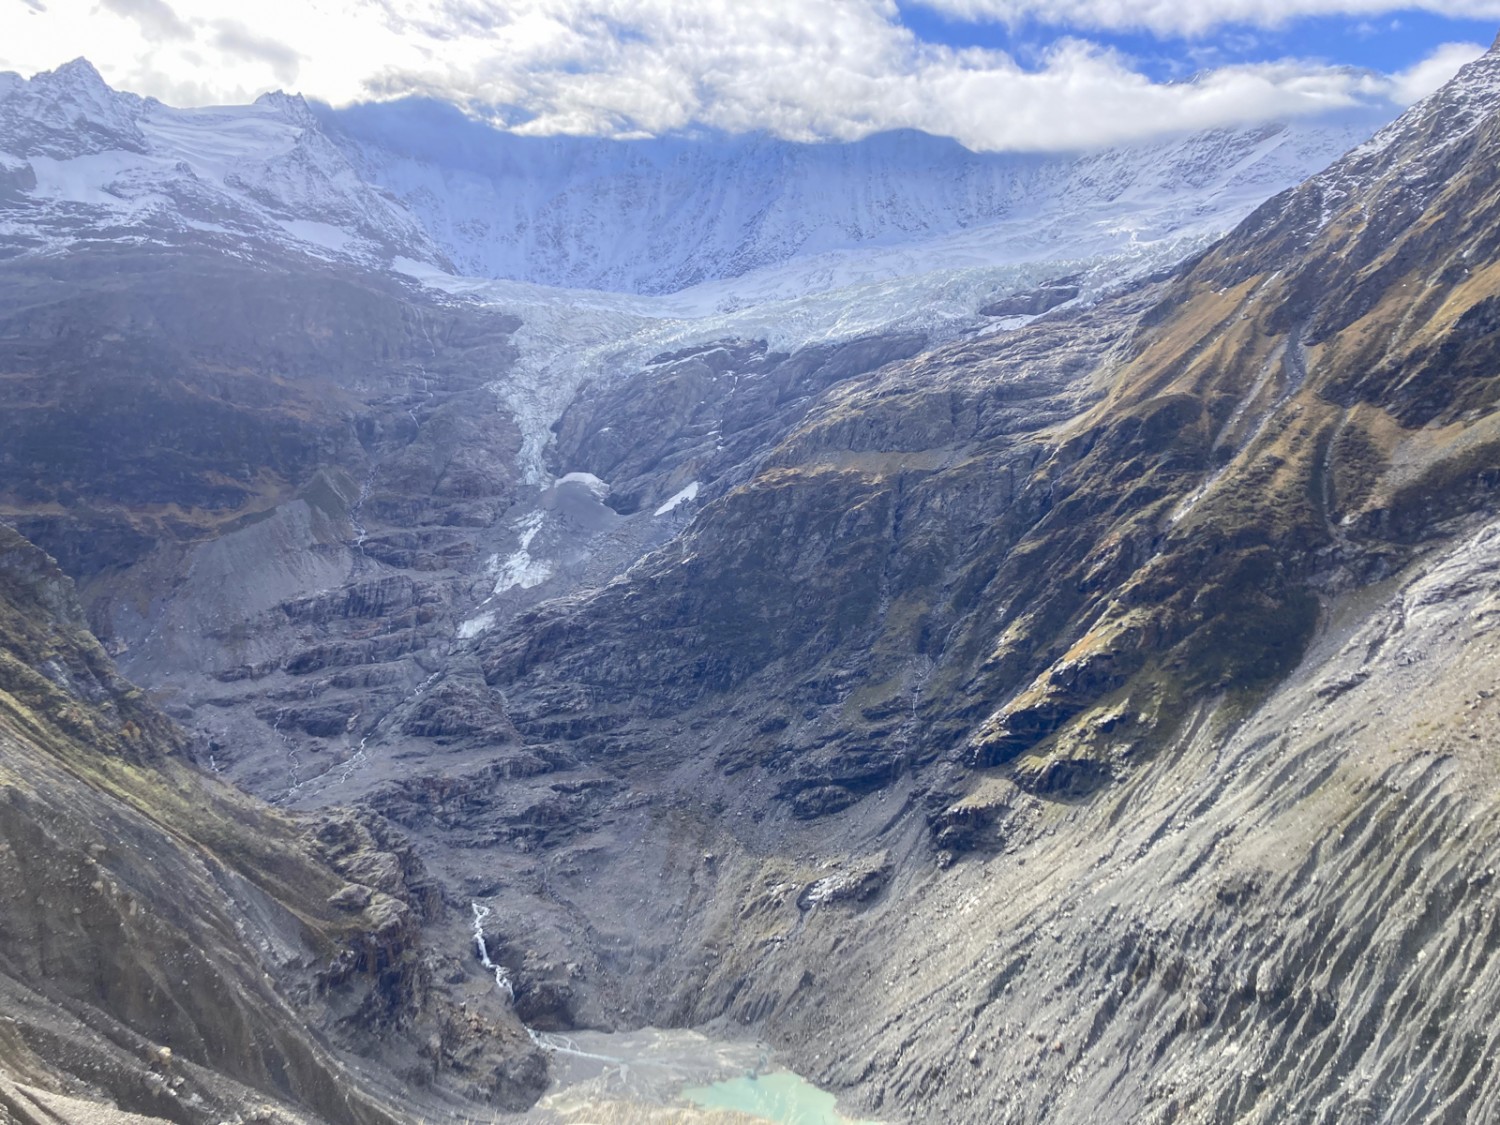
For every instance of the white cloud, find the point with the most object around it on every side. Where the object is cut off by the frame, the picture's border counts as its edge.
(1195, 17)
(236, 40)
(155, 17)
(833, 69)
(1416, 82)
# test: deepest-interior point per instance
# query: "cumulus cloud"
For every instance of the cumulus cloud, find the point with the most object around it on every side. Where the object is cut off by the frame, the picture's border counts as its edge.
(155, 17)
(1194, 17)
(234, 38)
(836, 69)
(1416, 82)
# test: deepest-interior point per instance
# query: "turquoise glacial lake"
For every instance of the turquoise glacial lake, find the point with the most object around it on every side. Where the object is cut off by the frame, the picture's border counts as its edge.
(779, 1096)
(596, 1074)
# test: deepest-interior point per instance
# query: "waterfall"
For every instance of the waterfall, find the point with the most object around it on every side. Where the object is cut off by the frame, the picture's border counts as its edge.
(502, 976)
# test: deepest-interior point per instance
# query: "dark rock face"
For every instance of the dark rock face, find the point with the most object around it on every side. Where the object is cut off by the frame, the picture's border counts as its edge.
(698, 414)
(241, 382)
(825, 585)
(161, 910)
(270, 478)
(1034, 303)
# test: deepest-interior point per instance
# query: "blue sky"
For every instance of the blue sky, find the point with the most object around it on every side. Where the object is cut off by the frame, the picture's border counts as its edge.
(996, 75)
(1389, 41)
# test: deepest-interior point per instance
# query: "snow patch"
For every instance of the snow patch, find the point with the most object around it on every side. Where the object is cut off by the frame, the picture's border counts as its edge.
(520, 570)
(528, 526)
(207, 228)
(599, 488)
(688, 494)
(324, 235)
(84, 179)
(471, 628)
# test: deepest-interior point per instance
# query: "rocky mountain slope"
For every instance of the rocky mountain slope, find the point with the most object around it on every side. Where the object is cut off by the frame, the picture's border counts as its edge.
(1079, 721)
(171, 948)
(1023, 599)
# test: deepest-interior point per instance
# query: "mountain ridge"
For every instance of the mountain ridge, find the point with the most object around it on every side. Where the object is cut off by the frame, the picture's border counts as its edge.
(543, 209)
(572, 212)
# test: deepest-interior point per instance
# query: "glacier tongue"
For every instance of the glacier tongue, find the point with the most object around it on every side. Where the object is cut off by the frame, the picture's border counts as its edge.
(570, 337)
(590, 241)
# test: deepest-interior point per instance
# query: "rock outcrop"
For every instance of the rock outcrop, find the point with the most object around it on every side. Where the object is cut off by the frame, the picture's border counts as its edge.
(174, 949)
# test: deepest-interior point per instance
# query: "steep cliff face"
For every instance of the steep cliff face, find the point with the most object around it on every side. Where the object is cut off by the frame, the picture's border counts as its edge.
(1285, 918)
(1071, 533)
(173, 948)
(211, 447)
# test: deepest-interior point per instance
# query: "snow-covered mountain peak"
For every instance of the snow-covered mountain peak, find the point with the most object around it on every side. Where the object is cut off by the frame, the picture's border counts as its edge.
(291, 107)
(67, 112)
(83, 162)
(1405, 164)
(1447, 115)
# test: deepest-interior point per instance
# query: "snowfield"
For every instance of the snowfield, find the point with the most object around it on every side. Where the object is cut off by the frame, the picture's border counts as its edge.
(613, 253)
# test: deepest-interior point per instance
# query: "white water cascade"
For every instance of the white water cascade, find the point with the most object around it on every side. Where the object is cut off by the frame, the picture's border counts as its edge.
(560, 1044)
(502, 976)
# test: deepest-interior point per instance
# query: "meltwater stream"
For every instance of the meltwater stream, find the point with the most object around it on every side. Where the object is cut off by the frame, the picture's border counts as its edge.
(600, 1076)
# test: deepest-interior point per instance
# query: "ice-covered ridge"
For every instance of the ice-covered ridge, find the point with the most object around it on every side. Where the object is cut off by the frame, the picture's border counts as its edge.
(1408, 153)
(658, 216)
(112, 165)
(768, 219)
(1456, 108)
(67, 112)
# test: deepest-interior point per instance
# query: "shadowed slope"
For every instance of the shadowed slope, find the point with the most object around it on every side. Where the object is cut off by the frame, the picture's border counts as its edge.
(147, 907)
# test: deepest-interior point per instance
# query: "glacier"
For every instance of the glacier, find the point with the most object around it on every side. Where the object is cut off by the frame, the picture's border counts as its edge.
(614, 252)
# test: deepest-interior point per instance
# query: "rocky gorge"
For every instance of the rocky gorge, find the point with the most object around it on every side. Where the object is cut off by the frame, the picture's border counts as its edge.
(1088, 719)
